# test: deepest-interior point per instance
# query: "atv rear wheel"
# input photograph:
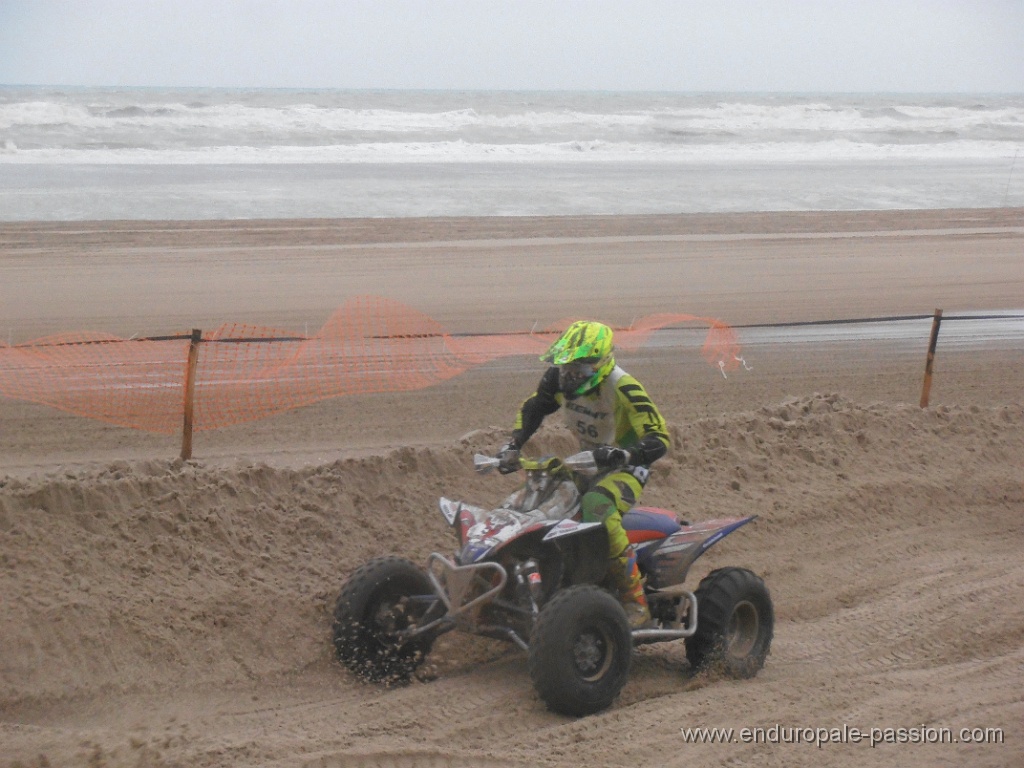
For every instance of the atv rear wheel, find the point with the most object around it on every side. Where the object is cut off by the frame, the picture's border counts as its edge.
(735, 623)
(373, 607)
(580, 651)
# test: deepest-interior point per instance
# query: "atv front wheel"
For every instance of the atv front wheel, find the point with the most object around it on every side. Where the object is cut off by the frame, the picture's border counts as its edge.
(376, 603)
(735, 623)
(580, 651)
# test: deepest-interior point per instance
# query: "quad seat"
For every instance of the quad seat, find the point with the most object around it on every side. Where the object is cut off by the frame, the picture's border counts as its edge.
(649, 524)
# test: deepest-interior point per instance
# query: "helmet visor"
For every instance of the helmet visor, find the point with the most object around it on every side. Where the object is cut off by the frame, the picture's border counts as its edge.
(572, 376)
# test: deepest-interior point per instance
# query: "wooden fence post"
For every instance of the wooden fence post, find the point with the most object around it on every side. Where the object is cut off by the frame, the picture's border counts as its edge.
(190, 393)
(930, 364)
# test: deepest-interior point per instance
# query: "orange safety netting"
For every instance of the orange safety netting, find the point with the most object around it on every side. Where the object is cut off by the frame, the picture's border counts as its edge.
(247, 372)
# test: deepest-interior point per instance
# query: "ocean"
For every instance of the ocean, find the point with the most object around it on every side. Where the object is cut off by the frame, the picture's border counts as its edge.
(151, 153)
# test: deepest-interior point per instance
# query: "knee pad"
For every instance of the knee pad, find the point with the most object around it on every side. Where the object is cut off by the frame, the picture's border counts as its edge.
(596, 507)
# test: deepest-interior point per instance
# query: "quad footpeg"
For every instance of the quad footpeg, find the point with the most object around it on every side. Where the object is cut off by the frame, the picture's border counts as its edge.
(683, 624)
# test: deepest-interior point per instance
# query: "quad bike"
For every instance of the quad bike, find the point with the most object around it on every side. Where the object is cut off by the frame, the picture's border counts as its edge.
(531, 573)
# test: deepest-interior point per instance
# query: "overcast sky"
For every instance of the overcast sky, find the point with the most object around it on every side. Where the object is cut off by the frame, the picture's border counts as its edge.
(674, 45)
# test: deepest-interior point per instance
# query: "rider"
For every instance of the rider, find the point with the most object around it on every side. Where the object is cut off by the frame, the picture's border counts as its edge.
(612, 415)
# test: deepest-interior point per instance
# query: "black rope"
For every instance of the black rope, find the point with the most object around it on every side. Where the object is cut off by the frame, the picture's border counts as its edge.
(890, 319)
(795, 324)
(847, 321)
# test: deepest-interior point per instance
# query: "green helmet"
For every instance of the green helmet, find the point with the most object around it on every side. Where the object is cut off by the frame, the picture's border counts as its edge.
(583, 355)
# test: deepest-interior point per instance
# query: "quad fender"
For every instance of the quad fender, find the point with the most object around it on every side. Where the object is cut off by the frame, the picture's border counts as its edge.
(666, 562)
(459, 515)
(450, 509)
(584, 552)
(569, 552)
(569, 528)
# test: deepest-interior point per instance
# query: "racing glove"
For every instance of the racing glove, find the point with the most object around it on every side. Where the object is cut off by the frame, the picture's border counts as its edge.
(608, 456)
(508, 459)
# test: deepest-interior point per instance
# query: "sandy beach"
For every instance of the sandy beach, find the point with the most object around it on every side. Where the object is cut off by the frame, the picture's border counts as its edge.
(161, 613)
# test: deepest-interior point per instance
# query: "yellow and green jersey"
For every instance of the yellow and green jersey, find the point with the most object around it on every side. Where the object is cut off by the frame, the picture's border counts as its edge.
(617, 412)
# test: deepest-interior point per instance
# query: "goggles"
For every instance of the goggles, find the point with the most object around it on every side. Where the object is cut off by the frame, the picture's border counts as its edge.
(581, 368)
(571, 376)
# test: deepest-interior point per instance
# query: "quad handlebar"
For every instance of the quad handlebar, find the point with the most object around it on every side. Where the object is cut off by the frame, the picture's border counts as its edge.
(580, 462)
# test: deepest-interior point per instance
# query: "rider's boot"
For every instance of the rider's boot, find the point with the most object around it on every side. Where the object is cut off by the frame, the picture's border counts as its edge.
(631, 589)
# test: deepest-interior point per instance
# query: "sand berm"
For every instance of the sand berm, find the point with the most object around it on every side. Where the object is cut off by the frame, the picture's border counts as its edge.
(890, 537)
